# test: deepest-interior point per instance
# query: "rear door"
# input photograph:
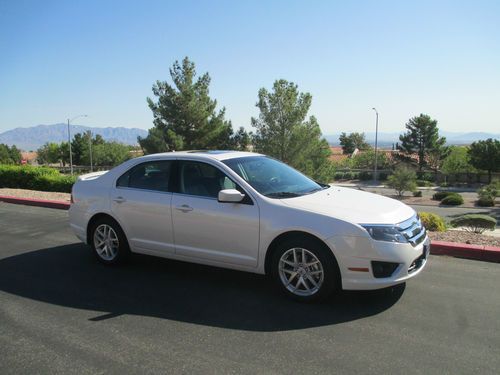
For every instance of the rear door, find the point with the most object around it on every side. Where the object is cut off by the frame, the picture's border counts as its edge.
(141, 202)
(207, 229)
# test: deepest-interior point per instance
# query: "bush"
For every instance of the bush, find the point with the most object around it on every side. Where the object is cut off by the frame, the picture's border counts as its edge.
(417, 193)
(403, 179)
(432, 222)
(485, 202)
(454, 199)
(35, 178)
(487, 195)
(440, 195)
(476, 223)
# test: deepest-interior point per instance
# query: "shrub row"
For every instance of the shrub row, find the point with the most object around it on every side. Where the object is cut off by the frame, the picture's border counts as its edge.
(364, 176)
(35, 178)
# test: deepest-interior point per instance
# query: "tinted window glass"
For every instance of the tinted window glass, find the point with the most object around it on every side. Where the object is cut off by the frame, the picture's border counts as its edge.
(153, 175)
(271, 177)
(202, 179)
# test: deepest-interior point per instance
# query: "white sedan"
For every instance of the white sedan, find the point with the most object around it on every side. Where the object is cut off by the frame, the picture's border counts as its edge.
(249, 212)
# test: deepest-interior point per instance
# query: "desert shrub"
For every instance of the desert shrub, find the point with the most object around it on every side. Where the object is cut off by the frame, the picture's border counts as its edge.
(485, 202)
(440, 195)
(403, 179)
(417, 193)
(454, 199)
(476, 223)
(487, 194)
(432, 222)
(35, 178)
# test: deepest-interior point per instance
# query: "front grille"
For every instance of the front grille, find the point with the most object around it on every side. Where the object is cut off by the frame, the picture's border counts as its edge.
(413, 230)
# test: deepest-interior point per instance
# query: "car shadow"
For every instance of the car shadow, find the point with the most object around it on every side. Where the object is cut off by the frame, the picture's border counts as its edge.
(147, 286)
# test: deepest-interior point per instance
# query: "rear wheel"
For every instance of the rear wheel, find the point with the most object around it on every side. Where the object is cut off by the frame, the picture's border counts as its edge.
(108, 241)
(305, 270)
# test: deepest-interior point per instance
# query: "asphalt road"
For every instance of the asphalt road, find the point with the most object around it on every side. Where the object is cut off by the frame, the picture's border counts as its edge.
(62, 312)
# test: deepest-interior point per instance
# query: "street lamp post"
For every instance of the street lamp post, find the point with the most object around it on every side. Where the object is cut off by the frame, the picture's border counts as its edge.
(69, 141)
(90, 150)
(376, 144)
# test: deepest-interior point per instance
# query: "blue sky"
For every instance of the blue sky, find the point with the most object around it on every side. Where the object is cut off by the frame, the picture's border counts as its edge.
(63, 58)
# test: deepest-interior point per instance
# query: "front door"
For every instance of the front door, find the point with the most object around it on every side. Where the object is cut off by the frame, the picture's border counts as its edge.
(207, 229)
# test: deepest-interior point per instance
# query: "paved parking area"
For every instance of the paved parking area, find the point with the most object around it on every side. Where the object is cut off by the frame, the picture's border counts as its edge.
(62, 312)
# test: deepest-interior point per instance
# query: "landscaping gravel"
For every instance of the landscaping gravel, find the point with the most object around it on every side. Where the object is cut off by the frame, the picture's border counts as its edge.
(462, 236)
(33, 194)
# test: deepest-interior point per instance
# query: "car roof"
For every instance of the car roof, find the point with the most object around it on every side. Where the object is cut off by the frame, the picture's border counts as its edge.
(206, 154)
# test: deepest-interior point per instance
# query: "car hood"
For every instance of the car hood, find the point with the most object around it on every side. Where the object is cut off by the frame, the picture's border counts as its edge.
(353, 205)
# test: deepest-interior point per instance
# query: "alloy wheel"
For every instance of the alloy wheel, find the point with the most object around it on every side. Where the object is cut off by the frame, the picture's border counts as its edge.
(106, 242)
(301, 272)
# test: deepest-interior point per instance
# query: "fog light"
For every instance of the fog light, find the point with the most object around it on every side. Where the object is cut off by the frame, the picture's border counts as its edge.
(383, 269)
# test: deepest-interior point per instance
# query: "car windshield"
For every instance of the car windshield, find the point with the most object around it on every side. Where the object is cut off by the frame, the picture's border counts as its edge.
(273, 178)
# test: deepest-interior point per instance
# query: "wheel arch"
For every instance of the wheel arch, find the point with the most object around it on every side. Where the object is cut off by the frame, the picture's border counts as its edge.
(290, 235)
(94, 219)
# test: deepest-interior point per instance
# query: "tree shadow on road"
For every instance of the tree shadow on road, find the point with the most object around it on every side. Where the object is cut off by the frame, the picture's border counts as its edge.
(147, 286)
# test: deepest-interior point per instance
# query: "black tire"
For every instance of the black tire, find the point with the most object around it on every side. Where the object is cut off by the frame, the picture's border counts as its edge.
(120, 253)
(331, 276)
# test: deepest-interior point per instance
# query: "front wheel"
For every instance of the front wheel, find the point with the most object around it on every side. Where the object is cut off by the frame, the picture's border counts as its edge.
(305, 270)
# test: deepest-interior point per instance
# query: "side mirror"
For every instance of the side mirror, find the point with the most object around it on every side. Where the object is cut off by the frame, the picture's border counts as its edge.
(230, 196)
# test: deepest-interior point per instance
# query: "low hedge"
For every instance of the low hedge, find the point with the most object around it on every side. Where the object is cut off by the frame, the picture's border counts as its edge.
(476, 223)
(417, 193)
(432, 222)
(454, 199)
(35, 178)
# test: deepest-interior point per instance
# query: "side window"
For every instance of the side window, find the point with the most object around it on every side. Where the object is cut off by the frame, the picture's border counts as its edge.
(153, 175)
(202, 179)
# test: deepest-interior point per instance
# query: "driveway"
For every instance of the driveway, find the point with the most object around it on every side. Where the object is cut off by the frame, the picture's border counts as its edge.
(62, 312)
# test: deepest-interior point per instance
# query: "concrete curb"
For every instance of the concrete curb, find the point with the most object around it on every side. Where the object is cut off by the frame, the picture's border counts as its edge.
(61, 205)
(462, 250)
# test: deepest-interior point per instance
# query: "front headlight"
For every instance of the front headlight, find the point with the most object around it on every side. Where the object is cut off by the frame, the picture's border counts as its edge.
(387, 233)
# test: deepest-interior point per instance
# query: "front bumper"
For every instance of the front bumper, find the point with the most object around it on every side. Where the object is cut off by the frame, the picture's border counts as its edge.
(356, 254)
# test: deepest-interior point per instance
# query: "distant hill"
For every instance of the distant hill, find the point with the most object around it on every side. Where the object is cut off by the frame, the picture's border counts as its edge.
(33, 137)
(387, 139)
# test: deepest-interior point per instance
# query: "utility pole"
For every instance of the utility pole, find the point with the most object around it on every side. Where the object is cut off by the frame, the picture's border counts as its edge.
(90, 150)
(69, 141)
(376, 144)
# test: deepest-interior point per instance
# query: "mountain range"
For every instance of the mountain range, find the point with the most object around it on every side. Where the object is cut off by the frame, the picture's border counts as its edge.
(33, 137)
(388, 139)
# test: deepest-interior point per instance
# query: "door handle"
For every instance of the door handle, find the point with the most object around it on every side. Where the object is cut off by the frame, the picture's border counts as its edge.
(184, 208)
(119, 199)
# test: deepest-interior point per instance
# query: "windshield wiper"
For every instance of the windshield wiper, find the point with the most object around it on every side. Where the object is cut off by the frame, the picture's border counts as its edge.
(283, 194)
